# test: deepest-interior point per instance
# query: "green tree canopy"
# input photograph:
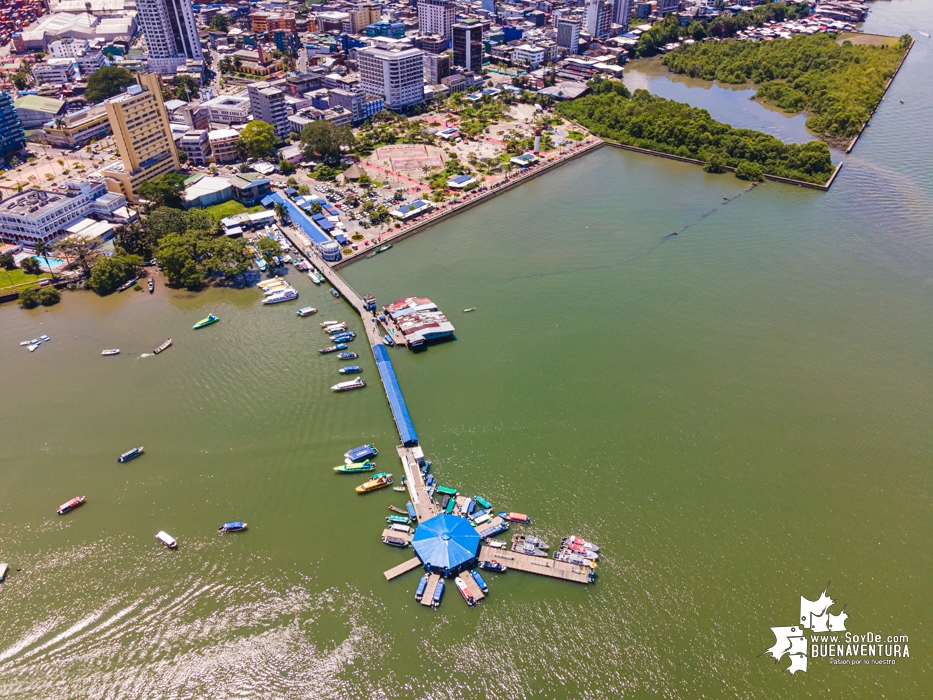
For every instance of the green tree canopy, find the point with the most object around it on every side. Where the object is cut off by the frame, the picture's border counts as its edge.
(7, 261)
(109, 273)
(324, 139)
(220, 23)
(258, 139)
(49, 295)
(164, 191)
(106, 82)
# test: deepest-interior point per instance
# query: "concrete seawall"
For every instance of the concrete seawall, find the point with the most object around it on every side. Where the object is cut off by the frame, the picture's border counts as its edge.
(453, 210)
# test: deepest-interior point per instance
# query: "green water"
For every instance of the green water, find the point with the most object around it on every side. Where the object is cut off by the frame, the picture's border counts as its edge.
(737, 415)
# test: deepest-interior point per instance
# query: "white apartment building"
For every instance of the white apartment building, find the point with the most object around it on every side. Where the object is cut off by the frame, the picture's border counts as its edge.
(55, 71)
(396, 76)
(436, 17)
(171, 33)
(622, 12)
(534, 55)
(229, 109)
(268, 104)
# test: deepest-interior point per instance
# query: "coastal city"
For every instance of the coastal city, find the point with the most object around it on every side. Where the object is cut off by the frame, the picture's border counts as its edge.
(610, 256)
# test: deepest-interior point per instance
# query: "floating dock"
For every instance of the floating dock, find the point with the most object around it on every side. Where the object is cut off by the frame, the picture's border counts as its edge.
(543, 566)
(428, 598)
(402, 568)
(473, 586)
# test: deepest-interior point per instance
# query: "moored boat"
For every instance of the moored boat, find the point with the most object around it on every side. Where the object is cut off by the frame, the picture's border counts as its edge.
(492, 565)
(151, 283)
(352, 468)
(399, 488)
(375, 484)
(396, 509)
(126, 285)
(334, 293)
(333, 348)
(530, 539)
(572, 539)
(438, 593)
(349, 386)
(235, 526)
(387, 340)
(70, 505)
(278, 297)
(306, 311)
(497, 544)
(211, 318)
(130, 454)
(350, 369)
(113, 351)
(446, 489)
(166, 539)
(412, 514)
(479, 581)
(464, 591)
(422, 584)
(515, 517)
(325, 324)
(386, 247)
(348, 337)
(483, 502)
(358, 454)
(398, 519)
(315, 276)
(4, 570)
(162, 347)
(336, 327)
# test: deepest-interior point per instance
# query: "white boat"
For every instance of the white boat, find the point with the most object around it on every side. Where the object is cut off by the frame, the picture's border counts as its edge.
(269, 283)
(285, 295)
(306, 311)
(276, 288)
(25, 342)
(325, 324)
(349, 386)
(166, 539)
(498, 544)
(114, 351)
(336, 328)
(31, 348)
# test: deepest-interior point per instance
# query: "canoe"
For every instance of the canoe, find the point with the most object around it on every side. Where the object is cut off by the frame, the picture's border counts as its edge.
(396, 509)
(211, 318)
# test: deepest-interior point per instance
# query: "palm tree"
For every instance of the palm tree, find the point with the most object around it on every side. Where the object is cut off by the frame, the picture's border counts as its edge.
(280, 211)
(42, 249)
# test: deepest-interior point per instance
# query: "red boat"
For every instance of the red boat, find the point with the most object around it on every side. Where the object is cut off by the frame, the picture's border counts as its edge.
(71, 505)
(464, 591)
(515, 517)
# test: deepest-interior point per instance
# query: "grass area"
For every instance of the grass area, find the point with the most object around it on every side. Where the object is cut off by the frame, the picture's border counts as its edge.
(16, 276)
(231, 208)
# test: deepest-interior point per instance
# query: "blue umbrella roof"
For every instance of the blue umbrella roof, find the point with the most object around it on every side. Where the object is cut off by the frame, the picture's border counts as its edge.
(445, 542)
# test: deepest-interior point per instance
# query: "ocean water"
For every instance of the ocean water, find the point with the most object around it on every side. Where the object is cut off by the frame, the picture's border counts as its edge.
(738, 415)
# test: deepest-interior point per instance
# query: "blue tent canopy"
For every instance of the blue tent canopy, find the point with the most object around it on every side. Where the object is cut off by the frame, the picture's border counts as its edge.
(446, 544)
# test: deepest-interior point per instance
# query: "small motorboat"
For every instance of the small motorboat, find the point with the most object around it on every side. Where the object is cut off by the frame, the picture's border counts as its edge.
(464, 591)
(496, 544)
(70, 505)
(515, 517)
(529, 539)
(479, 581)
(151, 283)
(5, 569)
(32, 347)
(112, 351)
(386, 247)
(447, 489)
(44, 338)
(350, 369)
(349, 386)
(278, 297)
(343, 337)
(166, 539)
(162, 347)
(399, 488)
(306, 311)
(396, 509)
(483, 502)
(492, 565)
(126, 285)
(375, 484)
(25, 342)
(333, 348)
(388, 340)
(336, 327)
(36, 341)
(130, 454)
(398, 519)
(352, 468)
(580, 541)
(334, 293)
(235, 526)
(211, 318)
(412, 514)
(325, 324)
(472, 308)
(361, 453)
(422, 584)
(315, 276)
(438, 593)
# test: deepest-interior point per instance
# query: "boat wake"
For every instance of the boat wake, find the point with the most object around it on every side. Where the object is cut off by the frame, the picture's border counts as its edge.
(146, 354)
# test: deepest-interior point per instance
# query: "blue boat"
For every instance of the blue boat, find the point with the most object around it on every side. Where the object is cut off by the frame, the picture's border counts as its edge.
(350, 369)
(347, 356)
(261, 264)
(333, 348)
(438, 592)
(335, 293)
(45, 338)
(388, 340)
(131, 454)
(343, 337)
(235, 526)
(422, 584)
(479, 581)
(361, 453)
(411, 511)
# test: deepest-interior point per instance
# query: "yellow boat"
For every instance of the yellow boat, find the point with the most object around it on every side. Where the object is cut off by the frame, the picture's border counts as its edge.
(379, 482)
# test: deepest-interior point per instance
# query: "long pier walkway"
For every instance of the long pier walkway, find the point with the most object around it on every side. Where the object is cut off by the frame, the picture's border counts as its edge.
(543, 566)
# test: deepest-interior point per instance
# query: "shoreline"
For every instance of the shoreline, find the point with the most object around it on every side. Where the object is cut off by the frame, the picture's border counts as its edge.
(592, 143)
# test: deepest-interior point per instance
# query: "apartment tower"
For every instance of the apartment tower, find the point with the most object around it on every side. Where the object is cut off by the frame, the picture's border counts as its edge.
(468, 45)
(171, 33)
(436, 17)
(395, 76)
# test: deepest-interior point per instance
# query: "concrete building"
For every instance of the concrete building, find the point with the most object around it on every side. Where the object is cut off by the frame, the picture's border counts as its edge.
(436, 17)
(568, 35)
(78, 128)
(229, 109)
(143, 134)
(38, 216)
(353, 102)
(622, 13)
(363, 15)
(395, 76)
(55, 71)
(432, 43)
(598, 18)
(12, 138)
(436, 68)
(196, 146)
(665, 6)
(526, 53)
(468, 45)
(223, 145)
(268, 104)
(34, 111)
(171, 33)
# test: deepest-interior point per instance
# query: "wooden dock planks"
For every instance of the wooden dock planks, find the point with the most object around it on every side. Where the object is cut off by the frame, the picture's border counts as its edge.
(428, 598)
(543, 566)
(471, 584)
(402, 568)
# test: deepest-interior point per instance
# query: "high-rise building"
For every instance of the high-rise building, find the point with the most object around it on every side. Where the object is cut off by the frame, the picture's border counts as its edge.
(397, 76)
(468, 45)
(171, 33)
(436, 68)
(598, 18)
(568, 35)
(142, 134)
(622, 12)
(436, 17)
(12, 137)
(363, 15)
(268, 104)
(665, 6)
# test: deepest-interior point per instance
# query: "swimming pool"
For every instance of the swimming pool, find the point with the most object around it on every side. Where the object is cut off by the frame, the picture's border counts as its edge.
(53, 263)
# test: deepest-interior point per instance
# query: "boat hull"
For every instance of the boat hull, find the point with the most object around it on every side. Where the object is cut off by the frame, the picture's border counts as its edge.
(132, 454)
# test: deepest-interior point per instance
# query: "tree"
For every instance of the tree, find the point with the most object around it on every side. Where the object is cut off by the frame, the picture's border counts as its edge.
(48, 296)
(182, 157)
(106, 82)
(28, 297)
(226, 65)
(259, 139)
(287, 167)
(323, 138)
(220, 23)
(304, 190)
(110, 272)
(715, 164)
(176, 260)
(281, 212)
(315, 208)
(30, 266)
(42, 250)
(164, 191)
(85, 252)
(7, 262)
(748, 171)
(185, 87)
(268, 249)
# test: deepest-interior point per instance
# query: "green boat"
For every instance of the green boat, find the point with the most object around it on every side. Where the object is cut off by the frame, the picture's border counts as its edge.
(446, 489)
(398, 519)
(379, 475)
(366, 466)
(451, 504)
(211, 318)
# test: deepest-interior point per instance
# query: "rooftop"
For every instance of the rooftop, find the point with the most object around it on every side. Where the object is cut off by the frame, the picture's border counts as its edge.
(39, 104)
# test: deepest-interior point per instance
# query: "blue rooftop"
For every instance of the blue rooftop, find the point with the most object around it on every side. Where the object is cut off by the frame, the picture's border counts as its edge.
(297, 216)
(460, 179)
(446, 544)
